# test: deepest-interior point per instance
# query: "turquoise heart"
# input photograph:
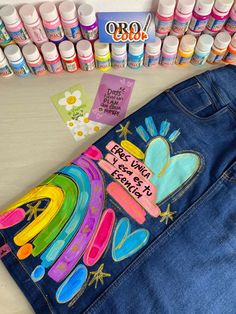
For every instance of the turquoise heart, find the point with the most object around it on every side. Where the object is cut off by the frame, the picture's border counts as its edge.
(126, 243)
(169, 173)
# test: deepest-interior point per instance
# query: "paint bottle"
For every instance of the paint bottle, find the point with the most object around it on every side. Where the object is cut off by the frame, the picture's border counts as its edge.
(5, 69)
(230, 25)
(202, 50)
(136, 55)
(219, 48)
(34, 59)
(183, 14)
(230, 56)
(169, 51)
(14, 25)
(219, 15)
(152, 53)
(5, 38)
(70, 21)
(201, 14)
(85, 54)
(88, 22)
(33, 24)
(51, 22)
(119, 55)
(186, 50)
(16, 61)
(102, 55)
(164, 17)
(51, 57)
(69, 58)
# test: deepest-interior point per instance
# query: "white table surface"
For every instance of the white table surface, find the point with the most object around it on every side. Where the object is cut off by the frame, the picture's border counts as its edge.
(34, 140)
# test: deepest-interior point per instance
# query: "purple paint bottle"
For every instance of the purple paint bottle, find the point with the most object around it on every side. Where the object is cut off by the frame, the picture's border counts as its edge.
(201, 14)
(218, 16)
(88, 22)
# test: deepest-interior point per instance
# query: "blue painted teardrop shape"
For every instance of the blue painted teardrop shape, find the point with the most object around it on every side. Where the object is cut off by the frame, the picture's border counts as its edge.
(38, 273)
(72, 284)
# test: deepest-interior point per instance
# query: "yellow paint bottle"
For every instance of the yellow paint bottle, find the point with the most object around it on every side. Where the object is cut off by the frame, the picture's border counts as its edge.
(186, 50)
(102, 56)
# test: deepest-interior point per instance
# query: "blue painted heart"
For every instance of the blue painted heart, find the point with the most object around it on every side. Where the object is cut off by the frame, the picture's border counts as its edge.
(169, 173)
(126, 243)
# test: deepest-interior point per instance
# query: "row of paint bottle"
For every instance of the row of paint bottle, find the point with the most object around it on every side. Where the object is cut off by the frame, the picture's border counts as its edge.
(195, 17)
(55, 26)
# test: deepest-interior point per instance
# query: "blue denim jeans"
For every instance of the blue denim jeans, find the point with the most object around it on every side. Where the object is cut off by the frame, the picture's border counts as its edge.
(144, 221)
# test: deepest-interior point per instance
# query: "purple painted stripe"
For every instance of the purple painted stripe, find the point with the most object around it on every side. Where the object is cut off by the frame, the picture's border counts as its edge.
(76, 248)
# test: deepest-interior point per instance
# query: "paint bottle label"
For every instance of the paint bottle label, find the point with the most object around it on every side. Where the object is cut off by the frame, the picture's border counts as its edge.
(231, 25)
(180, 27)
(182, 60)
(103, 64)
(230, 57)
(163, 27)
(118, 63)
(5, 71)
(38, 70)
(197, 25)
(55, 67)
(166, 61)
(151, 61)
(213, 58)
(73, 33)
(20, 69)
(37, 34)
(90, 34)
(87, 66)
(19, 36)
(4, 36)
(55, 34)
(135, 63)
(198, 59)
(70, 66)
(215, 25)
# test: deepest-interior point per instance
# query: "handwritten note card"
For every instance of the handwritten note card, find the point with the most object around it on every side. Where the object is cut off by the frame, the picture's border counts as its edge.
(112, 99)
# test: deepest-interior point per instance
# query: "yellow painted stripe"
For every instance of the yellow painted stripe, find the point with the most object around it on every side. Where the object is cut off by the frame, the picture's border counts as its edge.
(132, 149)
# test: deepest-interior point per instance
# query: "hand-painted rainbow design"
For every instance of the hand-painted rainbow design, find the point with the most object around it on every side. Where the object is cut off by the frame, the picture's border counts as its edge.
(67, 224)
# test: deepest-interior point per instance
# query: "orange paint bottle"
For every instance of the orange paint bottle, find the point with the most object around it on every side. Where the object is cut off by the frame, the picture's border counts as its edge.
(219, 48)
(230, 56)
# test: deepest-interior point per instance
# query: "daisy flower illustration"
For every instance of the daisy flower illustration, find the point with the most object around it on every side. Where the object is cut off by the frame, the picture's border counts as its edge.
(71, 100)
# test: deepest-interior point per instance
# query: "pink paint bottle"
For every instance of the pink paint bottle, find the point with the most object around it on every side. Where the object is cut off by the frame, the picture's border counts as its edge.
(51, 22)
(85, 54)
(230, 25)
(218, 16)
(51, 57)
(183, 14)
(14, 25)
(68, 56)
(70, 21)
(164, 17)
(169, 51)
(34, 59)
(201, 14)
(88, 22)
(33, 24)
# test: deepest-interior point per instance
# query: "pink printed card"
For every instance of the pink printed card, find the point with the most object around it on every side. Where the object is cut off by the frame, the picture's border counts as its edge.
(112, 99)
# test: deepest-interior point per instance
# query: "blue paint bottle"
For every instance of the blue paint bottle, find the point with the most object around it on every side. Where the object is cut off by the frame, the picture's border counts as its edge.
(202, 49)
(16, 61)
(135, 55)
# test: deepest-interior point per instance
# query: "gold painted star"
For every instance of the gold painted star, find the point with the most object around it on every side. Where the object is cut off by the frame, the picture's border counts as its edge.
(124, 130)
(167, 215)
(33, 210)
(98, 275)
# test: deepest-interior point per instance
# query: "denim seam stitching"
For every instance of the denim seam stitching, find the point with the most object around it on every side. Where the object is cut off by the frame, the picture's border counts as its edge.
(159, 240)
(220, 95)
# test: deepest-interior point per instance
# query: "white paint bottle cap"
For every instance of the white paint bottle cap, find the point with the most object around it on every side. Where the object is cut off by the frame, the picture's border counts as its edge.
(170, 44)
(29, 14)
(101, 49)
(119, 48)
(203, 7)
(222, 40)
(49, 51)
(30, 52)
(9, 15)
(48, 11)
(67, 10)
(166, 7)
(136, 49)
(154, 47)
(188, 42)
(87, 15)
(185, 6)
(84, 48)
(205, 43)
(67, 49)
(13, 53)
(223, 6)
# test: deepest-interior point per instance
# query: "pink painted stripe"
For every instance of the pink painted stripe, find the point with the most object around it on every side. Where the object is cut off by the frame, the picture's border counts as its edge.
(11, 218)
